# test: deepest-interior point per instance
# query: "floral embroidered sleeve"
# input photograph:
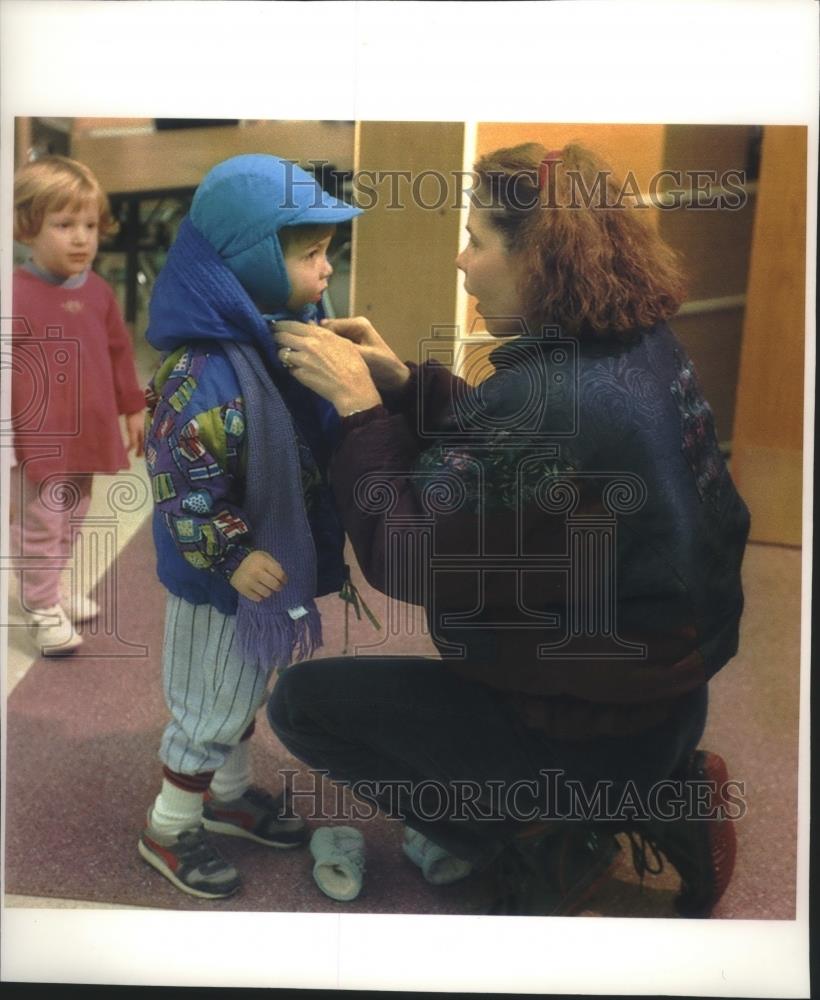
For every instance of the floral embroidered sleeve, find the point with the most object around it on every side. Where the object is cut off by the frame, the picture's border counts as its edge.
(195, 466)
(477, 492)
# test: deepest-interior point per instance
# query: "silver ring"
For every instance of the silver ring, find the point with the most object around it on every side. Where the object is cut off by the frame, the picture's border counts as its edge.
(286, 355)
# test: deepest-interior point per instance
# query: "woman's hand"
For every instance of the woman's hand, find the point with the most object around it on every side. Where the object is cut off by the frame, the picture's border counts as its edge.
(332, 366)
(387, 370)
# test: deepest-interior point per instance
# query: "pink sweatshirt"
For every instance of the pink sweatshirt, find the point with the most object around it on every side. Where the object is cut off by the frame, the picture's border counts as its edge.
(73, 375)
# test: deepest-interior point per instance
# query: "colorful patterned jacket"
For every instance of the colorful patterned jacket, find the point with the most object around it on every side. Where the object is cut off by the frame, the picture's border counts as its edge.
(196, 457)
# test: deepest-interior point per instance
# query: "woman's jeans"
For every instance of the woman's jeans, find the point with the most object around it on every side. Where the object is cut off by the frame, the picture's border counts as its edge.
(451, 758)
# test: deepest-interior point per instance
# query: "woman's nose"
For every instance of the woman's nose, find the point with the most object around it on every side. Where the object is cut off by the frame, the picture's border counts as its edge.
(459, 262)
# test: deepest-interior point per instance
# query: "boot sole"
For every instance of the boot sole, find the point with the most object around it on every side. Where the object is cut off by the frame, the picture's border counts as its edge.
(572, 898)
(719, 849)
(583, 891)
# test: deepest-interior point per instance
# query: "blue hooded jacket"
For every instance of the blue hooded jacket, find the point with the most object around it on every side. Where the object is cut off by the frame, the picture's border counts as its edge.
(200, 300)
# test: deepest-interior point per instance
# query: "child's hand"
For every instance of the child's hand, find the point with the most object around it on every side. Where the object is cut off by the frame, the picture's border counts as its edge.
(135, 428)
(258, 575)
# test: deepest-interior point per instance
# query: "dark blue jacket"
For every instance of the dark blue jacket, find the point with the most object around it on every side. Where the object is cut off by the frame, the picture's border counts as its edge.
(585, 536)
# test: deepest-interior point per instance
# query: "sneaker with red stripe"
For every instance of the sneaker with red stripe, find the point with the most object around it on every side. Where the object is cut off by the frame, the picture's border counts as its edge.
(256, 815)
(190, 863)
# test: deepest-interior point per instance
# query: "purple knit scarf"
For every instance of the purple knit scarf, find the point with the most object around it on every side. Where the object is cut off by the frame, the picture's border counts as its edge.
(285, 626)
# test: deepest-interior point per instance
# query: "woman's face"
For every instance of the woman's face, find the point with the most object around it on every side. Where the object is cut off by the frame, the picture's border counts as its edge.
(491, 275)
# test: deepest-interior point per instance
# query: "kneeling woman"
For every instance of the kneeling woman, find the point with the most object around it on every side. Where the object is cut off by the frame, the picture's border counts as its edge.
(583, 577)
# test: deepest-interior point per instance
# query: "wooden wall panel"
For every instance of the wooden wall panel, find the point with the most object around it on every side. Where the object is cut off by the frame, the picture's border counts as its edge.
(404, 275)
(22, 140)
(715, 245)
(768, 434)
(720, 148)
(713, 340)
(178, 159)
(625, 147)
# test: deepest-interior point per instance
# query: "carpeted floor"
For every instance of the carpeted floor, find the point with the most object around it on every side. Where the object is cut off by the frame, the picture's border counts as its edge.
(82, 736)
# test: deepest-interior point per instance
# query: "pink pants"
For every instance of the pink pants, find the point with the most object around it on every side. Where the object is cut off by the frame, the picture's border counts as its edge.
(41, 523)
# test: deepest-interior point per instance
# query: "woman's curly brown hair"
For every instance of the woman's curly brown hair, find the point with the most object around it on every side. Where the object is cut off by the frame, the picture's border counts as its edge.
(590, 263)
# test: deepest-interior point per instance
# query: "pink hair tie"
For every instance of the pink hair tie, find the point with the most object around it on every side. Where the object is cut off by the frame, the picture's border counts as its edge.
(544, 165)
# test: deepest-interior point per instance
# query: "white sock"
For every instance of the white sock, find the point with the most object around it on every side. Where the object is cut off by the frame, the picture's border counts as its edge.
(234, 777)
(175, 810)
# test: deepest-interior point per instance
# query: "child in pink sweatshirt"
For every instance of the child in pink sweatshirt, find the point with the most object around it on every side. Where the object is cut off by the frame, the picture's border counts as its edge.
(73, 378)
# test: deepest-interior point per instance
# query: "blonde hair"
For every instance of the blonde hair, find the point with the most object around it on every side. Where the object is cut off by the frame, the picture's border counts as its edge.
(51, 184)
(592, 268)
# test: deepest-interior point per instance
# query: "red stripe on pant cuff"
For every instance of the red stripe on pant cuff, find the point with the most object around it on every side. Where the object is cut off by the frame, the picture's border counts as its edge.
(188, 782)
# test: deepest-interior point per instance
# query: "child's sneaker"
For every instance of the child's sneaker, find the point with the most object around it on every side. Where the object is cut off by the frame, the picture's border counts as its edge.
(190, 862)
(82, 608)
(52, 631)
(255, 815)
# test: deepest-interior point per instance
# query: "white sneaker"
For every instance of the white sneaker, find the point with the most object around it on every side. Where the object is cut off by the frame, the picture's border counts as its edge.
(82, 609)
(52, 631)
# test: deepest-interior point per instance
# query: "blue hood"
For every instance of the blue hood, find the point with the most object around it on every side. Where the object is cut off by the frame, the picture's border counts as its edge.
(243, 203)
(197, 297)
(226, 269)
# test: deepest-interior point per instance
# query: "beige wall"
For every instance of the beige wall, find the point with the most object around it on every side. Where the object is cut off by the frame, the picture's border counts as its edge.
(768, 435)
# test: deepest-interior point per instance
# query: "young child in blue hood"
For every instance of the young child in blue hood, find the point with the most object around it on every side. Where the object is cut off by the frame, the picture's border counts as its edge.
(245, 529)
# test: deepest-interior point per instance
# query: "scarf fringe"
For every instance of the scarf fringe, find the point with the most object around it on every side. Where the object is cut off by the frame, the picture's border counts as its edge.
(276, 639)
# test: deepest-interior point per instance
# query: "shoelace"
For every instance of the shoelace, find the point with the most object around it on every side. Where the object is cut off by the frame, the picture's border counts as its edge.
(511, 877)
(278, 808)
(259, 797)
(642, 847)
(195, 852)
(351, 596)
